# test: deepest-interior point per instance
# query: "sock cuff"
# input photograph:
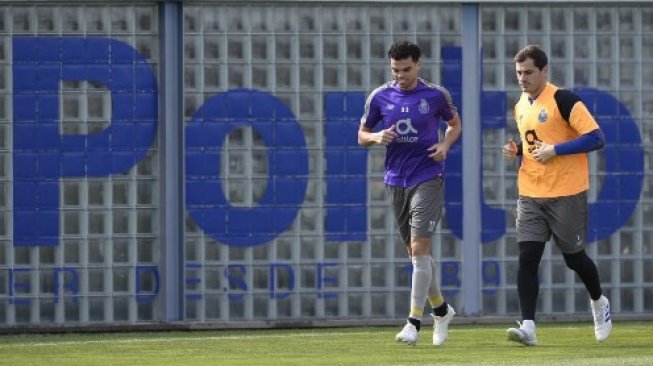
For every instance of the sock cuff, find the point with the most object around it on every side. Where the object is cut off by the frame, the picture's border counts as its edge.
(436, 300)
(422, 261)
(416, 313)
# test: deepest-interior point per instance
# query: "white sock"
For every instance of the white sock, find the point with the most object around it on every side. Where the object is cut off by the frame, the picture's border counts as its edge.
(434, 294)
(422, 276)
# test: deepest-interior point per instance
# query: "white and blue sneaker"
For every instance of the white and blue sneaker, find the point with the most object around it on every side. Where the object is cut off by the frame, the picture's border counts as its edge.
(602, 319)
(525, 334)
(408, 335)
(441, 326)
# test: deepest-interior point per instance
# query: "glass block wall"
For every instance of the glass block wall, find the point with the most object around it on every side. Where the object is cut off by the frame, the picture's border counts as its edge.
(338, 255)
(286, 218)
(604, 54)
(79, 234)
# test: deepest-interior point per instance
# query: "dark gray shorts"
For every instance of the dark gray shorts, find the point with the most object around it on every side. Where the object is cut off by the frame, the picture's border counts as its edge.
(418, 209)
(563, 217)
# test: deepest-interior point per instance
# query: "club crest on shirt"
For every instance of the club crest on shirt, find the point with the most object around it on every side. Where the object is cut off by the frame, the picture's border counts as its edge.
(542, 117)
(424, 106)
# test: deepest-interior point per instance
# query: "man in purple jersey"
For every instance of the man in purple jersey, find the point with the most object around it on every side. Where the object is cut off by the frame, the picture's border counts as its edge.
(410, 110)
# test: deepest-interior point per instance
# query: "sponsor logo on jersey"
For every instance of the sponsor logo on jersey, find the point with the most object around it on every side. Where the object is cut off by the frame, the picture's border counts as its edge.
(404, 127)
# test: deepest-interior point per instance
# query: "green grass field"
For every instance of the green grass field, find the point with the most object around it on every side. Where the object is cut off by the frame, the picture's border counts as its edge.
(560, 344)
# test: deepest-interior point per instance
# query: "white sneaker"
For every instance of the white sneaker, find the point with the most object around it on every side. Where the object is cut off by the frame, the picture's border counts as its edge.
(522, 335)
(408, 335)
(441, 326)
(602, 319)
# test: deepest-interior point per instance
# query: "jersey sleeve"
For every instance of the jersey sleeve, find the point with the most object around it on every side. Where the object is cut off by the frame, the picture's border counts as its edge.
(372, 113)
(581, 119)
(448, 109)
(574, 111)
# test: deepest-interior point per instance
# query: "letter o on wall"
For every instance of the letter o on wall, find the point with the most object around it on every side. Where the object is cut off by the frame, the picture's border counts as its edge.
(287, 167)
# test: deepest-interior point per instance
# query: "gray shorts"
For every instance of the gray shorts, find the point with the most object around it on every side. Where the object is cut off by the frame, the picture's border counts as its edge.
(418, 209)
(564, 217)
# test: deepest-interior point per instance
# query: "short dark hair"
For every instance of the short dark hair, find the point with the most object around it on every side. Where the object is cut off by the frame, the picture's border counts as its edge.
(400, 50)
(533, 52)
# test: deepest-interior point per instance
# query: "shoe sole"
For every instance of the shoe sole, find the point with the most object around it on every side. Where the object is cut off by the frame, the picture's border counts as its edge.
(604, 338)
(516, 337)
(409, 343)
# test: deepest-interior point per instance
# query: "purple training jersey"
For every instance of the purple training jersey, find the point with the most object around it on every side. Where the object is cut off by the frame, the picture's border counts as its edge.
(416, 114)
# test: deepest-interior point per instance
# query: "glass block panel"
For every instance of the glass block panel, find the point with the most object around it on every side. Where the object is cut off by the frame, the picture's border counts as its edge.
(147, 250)
(605, 19)
(355, 76)
(582, 47)
(71, 19)
(536, 20)
(120, 249)
(192, 76)
(121, 308)
(236, 48)
(236, 76)
(284, 48)
(47, 19)
(96, 19)
(512, 20)
(121, 222)
(72, 223)
(97, 222)
(145, 194)
(97, 193)
(582, 19)
(121, 193)
(558, 20)
(22, 20)
(627, 19)
(355, 304)
(146, 222)
(213, 49)
(401, 20)
(355, 47)
(331, 76)
(121, 279)
(121, 20)
(627, 303)
(145, 19)
(379, 275)
(212, 19)
(331, 47)
(147, 46)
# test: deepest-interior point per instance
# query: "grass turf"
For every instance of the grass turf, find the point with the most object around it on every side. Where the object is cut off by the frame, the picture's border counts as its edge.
(560, 344)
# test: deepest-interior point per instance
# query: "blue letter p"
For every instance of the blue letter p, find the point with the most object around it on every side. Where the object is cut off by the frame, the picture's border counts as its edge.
(42, 154)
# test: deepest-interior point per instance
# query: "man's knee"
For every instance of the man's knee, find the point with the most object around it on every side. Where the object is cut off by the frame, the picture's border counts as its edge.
(575, 261)
(530, 254)
(420, 246)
